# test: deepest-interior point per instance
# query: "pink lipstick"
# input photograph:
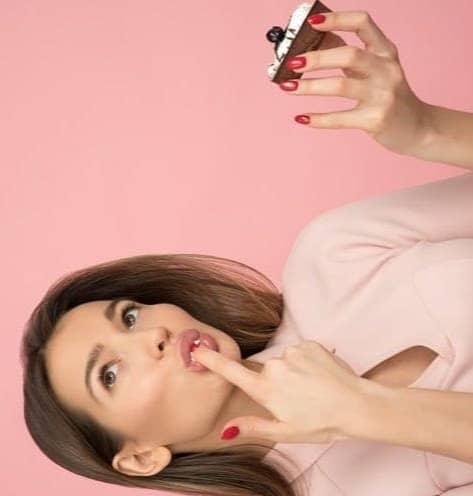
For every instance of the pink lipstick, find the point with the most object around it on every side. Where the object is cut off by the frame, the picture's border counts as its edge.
(186, 345)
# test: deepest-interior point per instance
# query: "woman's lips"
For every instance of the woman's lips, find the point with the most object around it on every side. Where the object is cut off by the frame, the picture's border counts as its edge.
(186, 341)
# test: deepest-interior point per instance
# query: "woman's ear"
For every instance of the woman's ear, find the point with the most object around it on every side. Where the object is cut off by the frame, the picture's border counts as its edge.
(141, 460)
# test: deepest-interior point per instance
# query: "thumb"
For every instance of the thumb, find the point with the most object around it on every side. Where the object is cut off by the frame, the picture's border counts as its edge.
(255, 427)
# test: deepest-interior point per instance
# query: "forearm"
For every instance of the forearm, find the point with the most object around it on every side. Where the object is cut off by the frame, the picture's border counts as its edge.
(448, 137)
(424, 419)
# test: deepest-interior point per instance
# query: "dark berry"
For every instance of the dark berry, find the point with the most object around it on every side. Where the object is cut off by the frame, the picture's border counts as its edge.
(275, 34)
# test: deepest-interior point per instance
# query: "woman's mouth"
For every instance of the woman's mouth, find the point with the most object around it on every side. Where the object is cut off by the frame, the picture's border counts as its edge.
(190, 339)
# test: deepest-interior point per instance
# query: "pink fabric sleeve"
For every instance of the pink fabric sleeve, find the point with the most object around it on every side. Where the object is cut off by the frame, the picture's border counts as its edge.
(434, 211)
(380, 240)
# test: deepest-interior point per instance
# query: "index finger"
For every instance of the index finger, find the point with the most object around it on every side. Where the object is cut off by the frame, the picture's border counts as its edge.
(236, 373)
(363, 25)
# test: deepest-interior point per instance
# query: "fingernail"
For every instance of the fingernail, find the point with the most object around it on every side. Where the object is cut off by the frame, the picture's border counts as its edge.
(230, 432)
(296, 63)
(289, 85)
(316, 19)
(302, 119)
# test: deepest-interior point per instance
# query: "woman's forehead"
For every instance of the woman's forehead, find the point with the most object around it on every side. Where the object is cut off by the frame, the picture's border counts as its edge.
(69, 346)
(81, 313)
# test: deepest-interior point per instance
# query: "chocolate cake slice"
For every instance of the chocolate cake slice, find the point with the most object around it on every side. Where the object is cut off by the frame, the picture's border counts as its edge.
(298, 37)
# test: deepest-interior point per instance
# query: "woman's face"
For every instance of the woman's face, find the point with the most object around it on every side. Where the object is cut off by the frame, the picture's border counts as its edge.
(147, 393)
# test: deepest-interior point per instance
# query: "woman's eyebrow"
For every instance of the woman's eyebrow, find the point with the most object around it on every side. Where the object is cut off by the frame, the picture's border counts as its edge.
(92, 359)
(94, 355)
(109, 311)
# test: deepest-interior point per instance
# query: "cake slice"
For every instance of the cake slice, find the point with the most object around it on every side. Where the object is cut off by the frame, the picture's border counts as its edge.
(298, 37)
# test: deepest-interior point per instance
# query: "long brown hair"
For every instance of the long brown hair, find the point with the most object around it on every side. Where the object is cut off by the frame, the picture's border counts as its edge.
(223, 293)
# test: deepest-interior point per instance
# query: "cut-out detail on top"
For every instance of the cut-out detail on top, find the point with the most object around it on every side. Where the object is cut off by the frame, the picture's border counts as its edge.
(403, 368)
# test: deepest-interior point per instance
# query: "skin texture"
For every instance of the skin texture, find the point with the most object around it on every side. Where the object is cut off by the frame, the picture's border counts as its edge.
(155, 402)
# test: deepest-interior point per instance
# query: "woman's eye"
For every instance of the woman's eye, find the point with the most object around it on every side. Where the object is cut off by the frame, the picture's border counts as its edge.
(125, 313)
(108, 375)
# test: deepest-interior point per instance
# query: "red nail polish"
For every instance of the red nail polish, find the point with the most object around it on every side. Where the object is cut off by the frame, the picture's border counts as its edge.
(230, 432)
(316, 19)
(302, 119)
(296, 63)
(289, 85)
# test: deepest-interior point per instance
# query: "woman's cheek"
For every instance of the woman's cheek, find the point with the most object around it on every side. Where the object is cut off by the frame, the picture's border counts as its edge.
(145, 403)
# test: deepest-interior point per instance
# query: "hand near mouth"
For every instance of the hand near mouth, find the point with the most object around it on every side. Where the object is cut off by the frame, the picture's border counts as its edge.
(311, 393)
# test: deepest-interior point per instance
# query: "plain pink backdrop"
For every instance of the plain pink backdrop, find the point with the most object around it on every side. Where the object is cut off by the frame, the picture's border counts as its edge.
(142, 127)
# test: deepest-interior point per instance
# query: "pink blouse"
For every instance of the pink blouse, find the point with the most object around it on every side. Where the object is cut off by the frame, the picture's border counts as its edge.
(373, 278)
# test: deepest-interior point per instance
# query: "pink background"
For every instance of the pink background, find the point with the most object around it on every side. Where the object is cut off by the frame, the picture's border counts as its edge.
(132, 128)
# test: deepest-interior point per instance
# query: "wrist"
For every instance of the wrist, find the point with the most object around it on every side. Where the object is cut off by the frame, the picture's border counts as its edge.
(368, 411)
(430, 133)
(444, 136)
(427, 133)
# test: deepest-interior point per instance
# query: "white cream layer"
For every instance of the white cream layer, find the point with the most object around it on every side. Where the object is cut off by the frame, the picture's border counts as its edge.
(295, 23)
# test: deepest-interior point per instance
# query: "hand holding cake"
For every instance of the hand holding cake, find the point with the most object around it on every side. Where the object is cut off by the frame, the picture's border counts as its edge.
(388, 110)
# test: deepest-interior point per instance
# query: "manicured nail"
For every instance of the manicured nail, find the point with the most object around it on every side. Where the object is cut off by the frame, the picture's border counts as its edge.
(296, 63)
(230, 432)
(289, 85)
(316, 19)
(302, 119)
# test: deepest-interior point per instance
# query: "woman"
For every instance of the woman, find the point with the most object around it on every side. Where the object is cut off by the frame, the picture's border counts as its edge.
(108, 396)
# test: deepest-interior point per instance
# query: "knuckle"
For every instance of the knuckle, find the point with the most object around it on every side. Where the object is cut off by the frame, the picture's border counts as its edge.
(313, 59)
(392, 50)
(353, 54)
(335, 17)
(382, 98)
(395, 72)
(364, 17)
(375, 120)
(342, 85)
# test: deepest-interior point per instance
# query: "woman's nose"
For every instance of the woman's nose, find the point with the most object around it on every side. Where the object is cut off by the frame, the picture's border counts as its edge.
(152, 342)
